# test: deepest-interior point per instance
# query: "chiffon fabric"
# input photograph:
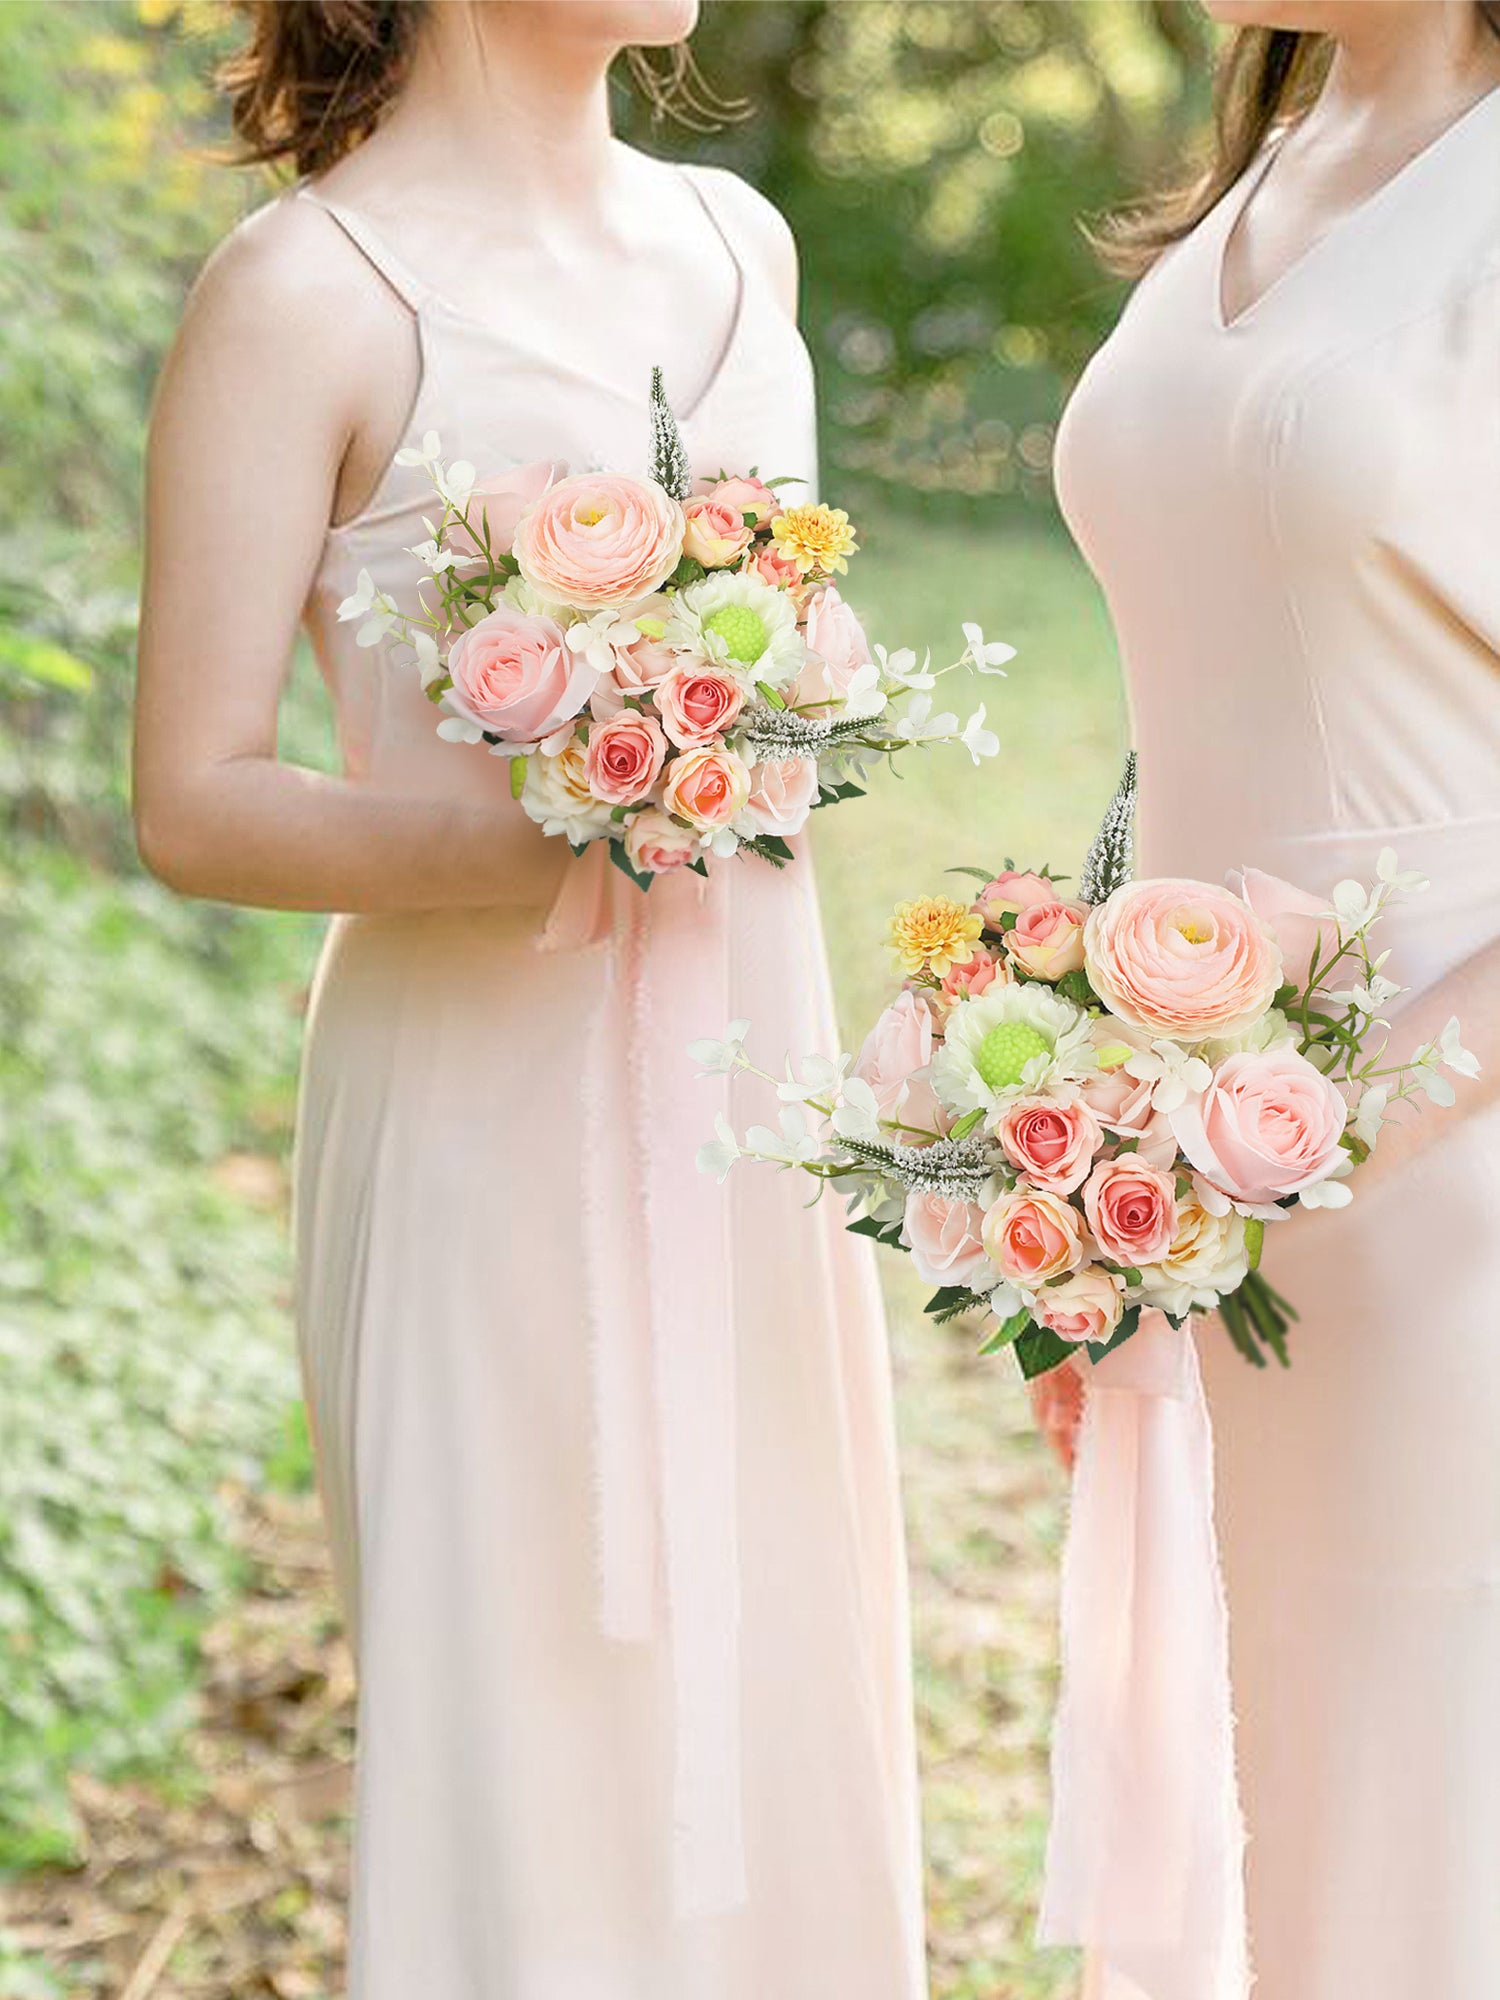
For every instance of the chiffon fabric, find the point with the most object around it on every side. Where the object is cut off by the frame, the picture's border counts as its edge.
(606, 1451)
(1295, 516)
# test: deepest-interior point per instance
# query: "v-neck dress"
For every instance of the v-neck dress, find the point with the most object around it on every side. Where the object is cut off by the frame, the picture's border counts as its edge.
(514, 1833)
(1295, 517)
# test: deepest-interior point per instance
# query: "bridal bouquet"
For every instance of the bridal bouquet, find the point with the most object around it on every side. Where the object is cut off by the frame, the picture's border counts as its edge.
(1077, 1108)
(669, 668)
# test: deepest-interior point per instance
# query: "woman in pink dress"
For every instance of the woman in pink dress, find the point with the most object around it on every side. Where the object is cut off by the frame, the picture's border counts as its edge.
(1285, 469)
(610, 1483)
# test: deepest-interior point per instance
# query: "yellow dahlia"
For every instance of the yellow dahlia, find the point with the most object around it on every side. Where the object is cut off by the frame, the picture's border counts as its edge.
(933, 934)
(815, 538)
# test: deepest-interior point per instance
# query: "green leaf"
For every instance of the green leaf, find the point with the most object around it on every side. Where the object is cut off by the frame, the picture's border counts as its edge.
(1040, 1351)
(985, 875)
(1255, 1238)
(1075, 986)
(883, 1232)
(769, 694)
(623, 862)
(517, 776)
(1130, 1319)
(1007, 1332)
(967, 1123)
(33, 659)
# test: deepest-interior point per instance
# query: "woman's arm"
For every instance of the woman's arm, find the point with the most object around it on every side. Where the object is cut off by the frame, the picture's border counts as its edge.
(288, 345)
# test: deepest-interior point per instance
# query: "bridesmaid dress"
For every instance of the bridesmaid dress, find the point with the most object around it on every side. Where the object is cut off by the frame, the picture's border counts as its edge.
(1295, 516)
(519, 1834)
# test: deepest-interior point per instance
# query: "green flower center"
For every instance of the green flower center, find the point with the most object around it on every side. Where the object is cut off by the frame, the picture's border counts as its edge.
(742, 630)
(1005, 1052)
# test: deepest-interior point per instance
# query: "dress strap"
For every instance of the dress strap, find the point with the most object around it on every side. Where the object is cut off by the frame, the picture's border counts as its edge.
(409, 288)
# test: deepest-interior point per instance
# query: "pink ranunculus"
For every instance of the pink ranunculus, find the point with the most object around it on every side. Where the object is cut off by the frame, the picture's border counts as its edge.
(1295, 919)
(514, 675)
(599, 540)
(1050, 1141)
(707, 787)
(1269, 1125)
(982, 972)
(716, 534)
(1047, 940)
(899, 1044)
(783, 791)
(1010, 893)
(1122, 1102)
(625, 756)
(1132, 1209)
(838, 648)
(943, 1236)
(777, 570)
(1033, 1236)
(746, 496)
(1086, 1306)
(697, 703)
(498, 503)
(655, 845)
(1182, 959)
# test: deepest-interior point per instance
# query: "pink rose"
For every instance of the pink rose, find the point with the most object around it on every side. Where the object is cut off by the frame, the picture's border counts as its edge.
(639, 665)
(1010, 893)
(746, 496)
(498, 504)
(707, 787)
(899, 1044)
(1047, 940)
(1122, 1102)
(697, 703)
(515, 677)
(625, 756)
(599, 539)
(656, 845)
(1086, 1306)
(1182, 959)
(1269, 1125)
(1132, 1210)
(1051, 1142)
(836, 641)
(1033, 1235)
(944, 1239)
(716, 533)
(982, 972)
(782, 794)
(1295, 920)
(777, 570)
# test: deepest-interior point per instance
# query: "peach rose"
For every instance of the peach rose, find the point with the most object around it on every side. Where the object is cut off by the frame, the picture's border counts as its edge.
(836, 640)
(1010, 893)
(899, 1044)
(1051, 1142)
(715, 534)
(1294, 918)
(982, 972)
(943, 1236)
(697, 703)
(1132, 1210)
(1032, 1236)
(1182, 959)
(599, 539)
(515, 677)
(498, 504)
(655, 845)
(1269, 1125)
(1086, 1306)
(625, 756)
(1047, 940)
(1122, 1102)
(783, 792)
(746, 496)
(776, 570)
(707, 787)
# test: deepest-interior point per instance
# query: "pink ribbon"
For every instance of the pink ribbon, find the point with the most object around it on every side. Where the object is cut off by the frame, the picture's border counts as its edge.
(1145, 1856)
(659, 1279)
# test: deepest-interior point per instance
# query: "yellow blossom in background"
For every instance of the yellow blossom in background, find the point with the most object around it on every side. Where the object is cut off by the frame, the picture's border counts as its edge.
(815, 538)
(933, 934)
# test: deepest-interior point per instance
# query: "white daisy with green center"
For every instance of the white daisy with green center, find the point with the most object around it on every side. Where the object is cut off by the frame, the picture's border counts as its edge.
(741, 624)
(1012, 1041)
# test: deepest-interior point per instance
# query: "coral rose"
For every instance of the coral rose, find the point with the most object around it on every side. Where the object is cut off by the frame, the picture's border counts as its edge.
(715, 533)
(599, 540)
(697, 703)
(899, 1044)
(1047, 940)
(1011, 892)
(1033, 1236)
(656, 845)
(1182, 959)
(514, 676)
(707, 787)
(777, 570)
(783, 791)
(1050, 1141)
(625, 756)
(1132, 1210)
(967, 982)
(1269, 1125)
(1086, 1306)
(748, 496)
(943, 1236)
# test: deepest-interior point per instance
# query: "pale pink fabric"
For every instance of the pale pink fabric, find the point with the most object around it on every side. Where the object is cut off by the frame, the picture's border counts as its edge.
(1295, 517)
(607, 1451)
